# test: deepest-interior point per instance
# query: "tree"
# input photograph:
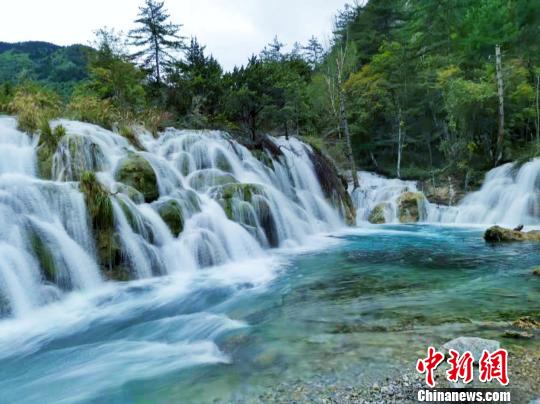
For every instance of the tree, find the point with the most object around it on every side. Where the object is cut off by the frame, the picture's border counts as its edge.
(112, 75)
(338, 73)
(313, 52)
(272, 51)
(156, 36)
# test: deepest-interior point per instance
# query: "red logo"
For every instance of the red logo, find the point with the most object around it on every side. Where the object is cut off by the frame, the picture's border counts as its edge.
(429, 364)
(491, 366)
(494, 366)
(461, 367)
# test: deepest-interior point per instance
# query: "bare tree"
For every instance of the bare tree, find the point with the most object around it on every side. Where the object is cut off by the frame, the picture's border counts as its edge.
(500, 93)
(338, 100)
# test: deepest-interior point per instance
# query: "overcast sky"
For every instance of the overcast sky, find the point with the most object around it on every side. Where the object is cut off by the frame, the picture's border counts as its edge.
(231, 29)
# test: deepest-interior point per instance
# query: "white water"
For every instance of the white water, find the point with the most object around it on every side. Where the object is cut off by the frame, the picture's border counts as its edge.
(287, 206)
(374, 190)
(509, 196)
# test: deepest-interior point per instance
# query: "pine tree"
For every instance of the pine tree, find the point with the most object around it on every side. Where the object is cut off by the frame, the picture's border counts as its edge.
(313, 52)
(156, 36)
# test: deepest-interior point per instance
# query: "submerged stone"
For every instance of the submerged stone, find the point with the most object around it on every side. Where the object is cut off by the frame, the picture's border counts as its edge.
(135, 171)
(536, 272)
(500, 234)
(410, 206)
(130, 192)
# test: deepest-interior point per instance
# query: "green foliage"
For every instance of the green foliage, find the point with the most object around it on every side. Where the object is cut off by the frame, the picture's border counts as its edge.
(33, 104)
(92, 109)
(59, 68)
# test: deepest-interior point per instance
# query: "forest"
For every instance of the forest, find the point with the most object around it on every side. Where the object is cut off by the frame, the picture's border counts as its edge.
(409, 89)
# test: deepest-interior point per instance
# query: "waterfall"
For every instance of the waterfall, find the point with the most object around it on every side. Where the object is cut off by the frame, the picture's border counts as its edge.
(376, 190)
(510, 195)
(213, 202)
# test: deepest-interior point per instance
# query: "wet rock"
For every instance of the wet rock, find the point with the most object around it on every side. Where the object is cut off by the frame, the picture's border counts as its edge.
(517, 334)
(130, 192)
(410, 205)
(333, 185)
(74, 155)
(500, 234)
(536, 271)
(172, 214)
(208, 178)
(526, 323)
(135, 171)
(377, 215)
(472, 344)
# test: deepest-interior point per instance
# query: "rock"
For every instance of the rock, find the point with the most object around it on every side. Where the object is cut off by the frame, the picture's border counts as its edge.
(500, 234)
(204, 179)
(377, 215)
(135, 171)
(410, 205)
(172, 214)
(517, 334)
(130, 192)
(526, 323)
(472, 344)
(333, 185)
(74, 155)
(536, 271)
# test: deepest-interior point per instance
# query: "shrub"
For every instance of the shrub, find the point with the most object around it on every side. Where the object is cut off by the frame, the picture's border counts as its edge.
(34, 105)
(92, 109)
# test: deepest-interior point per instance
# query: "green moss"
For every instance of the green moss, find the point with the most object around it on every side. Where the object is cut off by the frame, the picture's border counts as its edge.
(101, 213)
(44, 256)
(204, 179)
(127, 132)
(377, 214)
(48, 142)
(135, 171)
(172, 214)
(409, 207)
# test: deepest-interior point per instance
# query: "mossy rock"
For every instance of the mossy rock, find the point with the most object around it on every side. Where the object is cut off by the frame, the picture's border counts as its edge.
(499, 234)
(221, 162)
(536, 271)
(263, 157)
(77, 154)
(135, 171)
(171, 213)
(224, 194)
(208, 178)
(377, 214)
(333, 185)
(44, 256)
(48, 142)
(410, 206)
(130, 192)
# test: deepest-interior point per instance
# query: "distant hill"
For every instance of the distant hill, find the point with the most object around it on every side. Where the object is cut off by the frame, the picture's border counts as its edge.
(60, 67)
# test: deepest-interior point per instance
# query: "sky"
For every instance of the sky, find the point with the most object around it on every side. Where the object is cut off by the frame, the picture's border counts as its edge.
(232, 30)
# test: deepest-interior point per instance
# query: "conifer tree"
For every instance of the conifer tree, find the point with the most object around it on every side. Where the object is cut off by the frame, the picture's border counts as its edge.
(156, 37)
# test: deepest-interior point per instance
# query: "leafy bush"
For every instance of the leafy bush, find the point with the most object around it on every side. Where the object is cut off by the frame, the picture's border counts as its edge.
(92, 109)
(34, 105)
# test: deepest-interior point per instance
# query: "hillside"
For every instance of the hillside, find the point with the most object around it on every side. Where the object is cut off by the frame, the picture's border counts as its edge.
(60, 67)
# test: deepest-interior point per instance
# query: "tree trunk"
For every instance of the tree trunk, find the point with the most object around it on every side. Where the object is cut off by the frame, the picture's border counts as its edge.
(500, 93)
(346, 133)
(537, 110)
(400, 144)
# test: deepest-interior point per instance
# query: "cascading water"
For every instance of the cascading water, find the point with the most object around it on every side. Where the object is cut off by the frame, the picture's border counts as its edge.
(228, 206)
(376, 190)
(509, 196)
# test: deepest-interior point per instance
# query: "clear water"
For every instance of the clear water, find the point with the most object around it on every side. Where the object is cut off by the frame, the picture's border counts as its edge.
(355, 306)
